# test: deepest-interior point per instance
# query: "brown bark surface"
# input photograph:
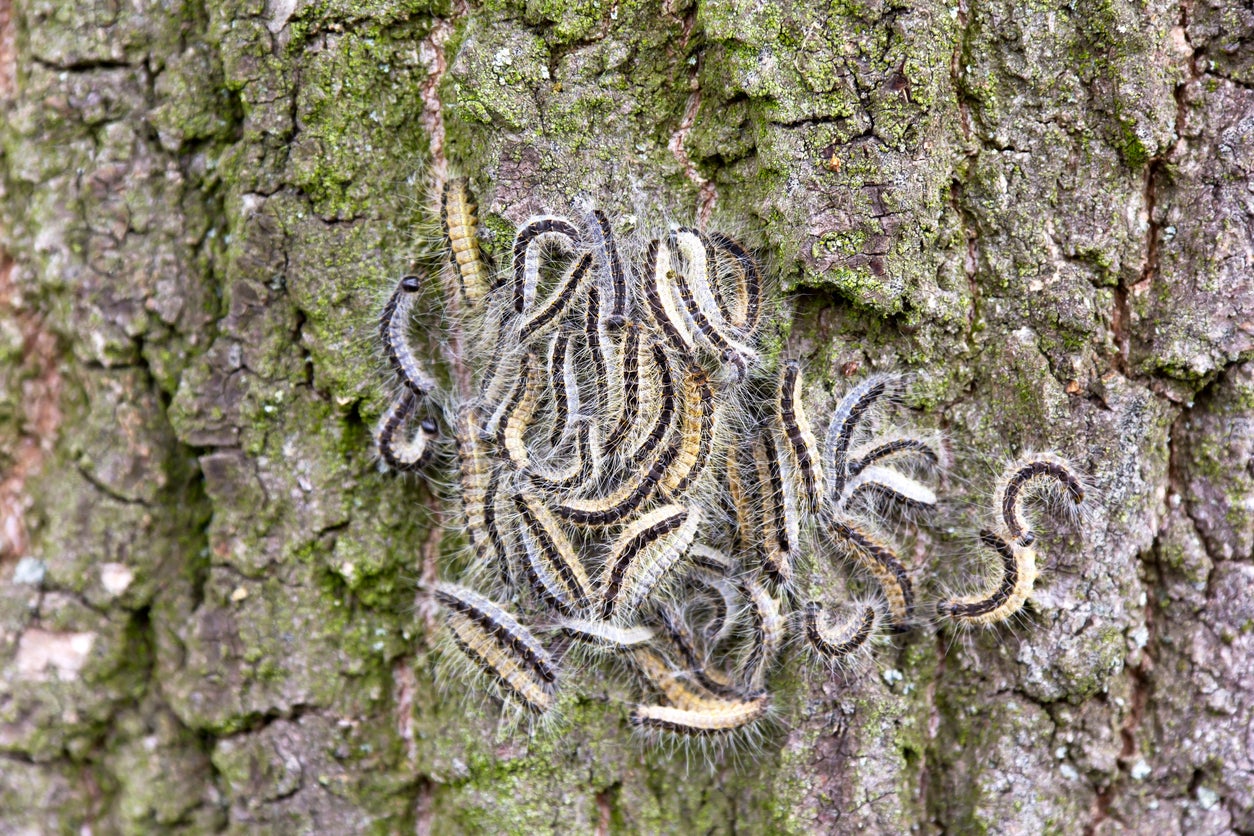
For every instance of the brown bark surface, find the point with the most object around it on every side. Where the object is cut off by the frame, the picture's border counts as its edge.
(208, 608)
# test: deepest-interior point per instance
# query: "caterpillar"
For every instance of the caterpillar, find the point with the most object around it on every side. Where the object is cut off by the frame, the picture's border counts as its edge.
(393, 324)
(627, 446)
(460, 221)
(642, 555)
(1006, 595)
(398, 452)
(536, 235)
(714, 718)
(1026, 479)
(500, 645)
(839, 643)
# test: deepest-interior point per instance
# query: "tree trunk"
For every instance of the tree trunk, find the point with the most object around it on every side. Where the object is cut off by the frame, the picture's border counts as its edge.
(208, 612)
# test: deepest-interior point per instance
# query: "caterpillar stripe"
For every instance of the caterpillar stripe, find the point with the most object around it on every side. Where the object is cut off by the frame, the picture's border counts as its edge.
(602, 239)
(1007, 594)
(722, 717)
(397, 451)
(748, 282)
(768, 632)
(876, 481)
(722, 310)
(780, 526)
(498, 553)
(592, 339)
(533, 237)
(696, 433)
(553, 566)
(839, 642)
(1023, 481)
(678, 687)
(840, 430)
(896, 448)
(460, 221)
(630, 387)
(565, 387)
(643, 553)
(597, 511)
(606, 633)
(692, 287)
(503, 626)
(711, 560)
(801, 444)
(667, 404)
(883, 564)
(744, 500)
(519, 414)
(500, 645)
(393, 325)
(477, 480)
(567, 290)
(493, 428)
(661, 301)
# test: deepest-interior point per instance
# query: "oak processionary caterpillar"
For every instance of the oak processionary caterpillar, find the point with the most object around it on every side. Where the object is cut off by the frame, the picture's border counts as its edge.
(639, 477)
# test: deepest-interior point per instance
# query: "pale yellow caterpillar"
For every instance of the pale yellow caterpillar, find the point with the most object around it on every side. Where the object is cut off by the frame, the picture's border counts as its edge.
(745, 502)
(690, 284)
(661, 300)
(1006, 595)
(606, 633)
(678, 687)
(838, 643)
(500, 645)
(882, 562)
(519, 413)
(641, 556)
(552, 564)
(700, 419)
(747, 280)
(607, 510)
(716, 718)
(477, 481)
(460, 221)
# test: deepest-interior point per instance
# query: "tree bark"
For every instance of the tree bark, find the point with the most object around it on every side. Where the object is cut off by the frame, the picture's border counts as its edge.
(208, 613)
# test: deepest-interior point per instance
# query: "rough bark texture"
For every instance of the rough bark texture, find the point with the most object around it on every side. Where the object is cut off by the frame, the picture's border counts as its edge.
(207, 597)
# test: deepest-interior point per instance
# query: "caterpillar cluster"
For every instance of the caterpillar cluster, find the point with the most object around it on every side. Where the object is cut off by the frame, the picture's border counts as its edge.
(636, 477)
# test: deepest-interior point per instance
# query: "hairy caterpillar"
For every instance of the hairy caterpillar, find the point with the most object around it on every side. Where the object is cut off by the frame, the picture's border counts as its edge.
(497, 642)
(627, 443)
